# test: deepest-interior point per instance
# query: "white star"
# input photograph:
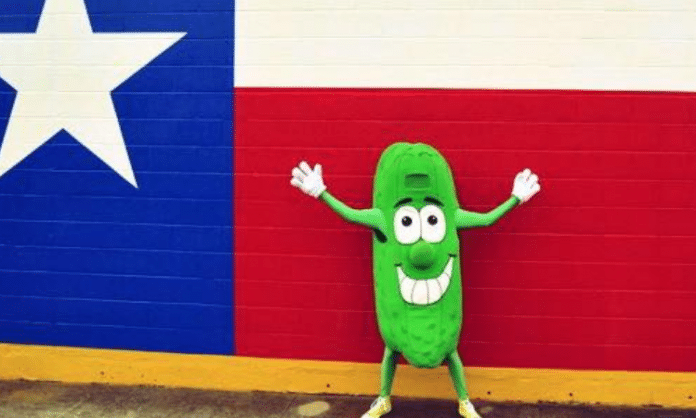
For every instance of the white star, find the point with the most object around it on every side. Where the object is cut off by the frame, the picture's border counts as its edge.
(64, 74)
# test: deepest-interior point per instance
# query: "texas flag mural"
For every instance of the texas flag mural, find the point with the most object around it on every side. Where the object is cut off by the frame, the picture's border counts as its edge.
(145, 200)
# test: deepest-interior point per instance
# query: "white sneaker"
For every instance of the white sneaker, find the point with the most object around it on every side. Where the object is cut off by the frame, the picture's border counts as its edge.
(466, 409)
(379, 407)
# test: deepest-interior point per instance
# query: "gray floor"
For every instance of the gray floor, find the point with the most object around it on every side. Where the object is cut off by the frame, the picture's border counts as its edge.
(22, 399)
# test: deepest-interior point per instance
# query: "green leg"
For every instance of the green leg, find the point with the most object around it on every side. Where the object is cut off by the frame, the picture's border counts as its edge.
(456, 370)
(388, 370)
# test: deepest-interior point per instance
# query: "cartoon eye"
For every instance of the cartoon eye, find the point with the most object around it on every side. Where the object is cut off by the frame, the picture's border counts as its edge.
(432, 223)
(407, 225)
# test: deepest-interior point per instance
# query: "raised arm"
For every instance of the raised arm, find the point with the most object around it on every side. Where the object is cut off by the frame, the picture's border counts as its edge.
(311, 182)
(525, 186)
(466, 219)
(368, 217)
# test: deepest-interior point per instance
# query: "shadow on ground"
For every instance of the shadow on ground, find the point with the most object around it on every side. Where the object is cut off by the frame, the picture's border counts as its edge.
(23, 399)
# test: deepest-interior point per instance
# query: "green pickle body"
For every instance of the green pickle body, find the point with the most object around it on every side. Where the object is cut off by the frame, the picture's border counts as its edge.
(424, 334)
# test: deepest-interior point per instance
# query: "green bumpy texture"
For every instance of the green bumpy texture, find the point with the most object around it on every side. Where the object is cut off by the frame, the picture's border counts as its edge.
(417, 175)
(424, 334)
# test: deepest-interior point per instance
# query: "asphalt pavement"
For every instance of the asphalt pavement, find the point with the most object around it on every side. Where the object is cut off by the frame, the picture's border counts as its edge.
(24, 399)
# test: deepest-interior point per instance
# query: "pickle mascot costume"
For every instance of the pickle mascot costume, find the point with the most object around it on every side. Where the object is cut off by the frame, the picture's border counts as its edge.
(417, 274)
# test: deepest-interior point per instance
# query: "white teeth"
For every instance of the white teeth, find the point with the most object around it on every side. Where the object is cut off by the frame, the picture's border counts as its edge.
(425, 291)
(448, 268)
(406, 286)
(434, 292)
(420, 293)
(401, 274)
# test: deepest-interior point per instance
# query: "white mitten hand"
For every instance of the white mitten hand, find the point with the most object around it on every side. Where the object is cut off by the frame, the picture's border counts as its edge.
(308, 180)
(526, 185)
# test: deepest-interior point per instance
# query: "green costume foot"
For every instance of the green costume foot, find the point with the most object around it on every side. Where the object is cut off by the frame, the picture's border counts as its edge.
(466, 409)
(379, 407)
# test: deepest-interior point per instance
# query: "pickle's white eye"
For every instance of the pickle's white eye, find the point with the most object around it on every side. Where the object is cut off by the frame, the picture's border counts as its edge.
(407, 225)
(432, 224)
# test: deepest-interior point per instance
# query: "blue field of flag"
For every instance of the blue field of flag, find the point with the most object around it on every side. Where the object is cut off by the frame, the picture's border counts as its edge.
(88, 259)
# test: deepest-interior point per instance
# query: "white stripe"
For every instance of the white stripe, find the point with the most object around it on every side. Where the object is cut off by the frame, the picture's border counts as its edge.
(629, 45)
(646, 5)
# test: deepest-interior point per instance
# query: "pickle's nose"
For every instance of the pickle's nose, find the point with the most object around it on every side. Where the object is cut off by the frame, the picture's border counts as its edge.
(422, 255)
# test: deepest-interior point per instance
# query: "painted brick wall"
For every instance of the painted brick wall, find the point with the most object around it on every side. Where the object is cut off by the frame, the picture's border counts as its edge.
(594, 273)
(494, 44)
(86, 259)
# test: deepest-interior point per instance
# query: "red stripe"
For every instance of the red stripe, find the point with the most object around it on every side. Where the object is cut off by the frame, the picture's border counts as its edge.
(597, 272)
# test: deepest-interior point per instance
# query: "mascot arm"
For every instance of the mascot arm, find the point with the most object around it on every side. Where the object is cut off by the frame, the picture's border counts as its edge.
(368, 217)
(526, 185)
(465, 219)
(311, 182)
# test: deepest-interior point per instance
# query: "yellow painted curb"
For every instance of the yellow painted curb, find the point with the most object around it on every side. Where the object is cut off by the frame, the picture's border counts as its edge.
(234, 373)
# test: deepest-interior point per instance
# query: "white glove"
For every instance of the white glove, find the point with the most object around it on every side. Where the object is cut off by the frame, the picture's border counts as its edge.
(526, 185)
(308, 180)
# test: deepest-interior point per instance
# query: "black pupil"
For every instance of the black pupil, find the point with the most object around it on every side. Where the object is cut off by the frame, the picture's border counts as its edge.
(406, 221)
(432, 219)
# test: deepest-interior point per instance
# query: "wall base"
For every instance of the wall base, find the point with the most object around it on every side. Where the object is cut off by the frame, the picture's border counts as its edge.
(234, 373)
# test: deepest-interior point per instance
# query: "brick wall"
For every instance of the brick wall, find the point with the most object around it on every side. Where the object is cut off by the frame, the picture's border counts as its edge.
(594, 273)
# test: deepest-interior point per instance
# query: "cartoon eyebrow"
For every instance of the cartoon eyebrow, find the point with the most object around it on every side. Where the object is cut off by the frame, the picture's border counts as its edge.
(433, 200)
(403, 201)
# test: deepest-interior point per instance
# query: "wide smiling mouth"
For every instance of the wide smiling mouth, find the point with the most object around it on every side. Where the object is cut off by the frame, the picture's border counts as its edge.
(424, 291)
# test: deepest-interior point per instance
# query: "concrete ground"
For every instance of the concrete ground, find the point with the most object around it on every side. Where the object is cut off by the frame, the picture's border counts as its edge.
(22, 399)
